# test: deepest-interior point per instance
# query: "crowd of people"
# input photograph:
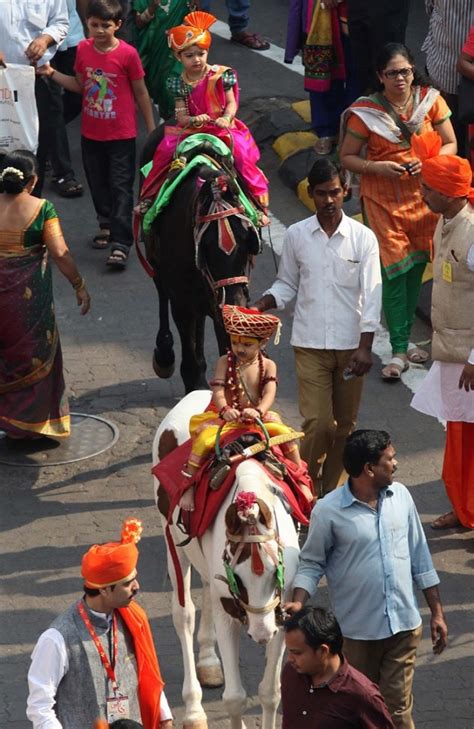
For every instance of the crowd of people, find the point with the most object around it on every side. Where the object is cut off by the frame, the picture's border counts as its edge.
(404, 139)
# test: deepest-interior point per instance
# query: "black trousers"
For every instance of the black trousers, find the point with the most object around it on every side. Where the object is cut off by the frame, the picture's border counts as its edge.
(110, 172)
(51, 123)
(64, 62)
(71, 105)
(372, 24)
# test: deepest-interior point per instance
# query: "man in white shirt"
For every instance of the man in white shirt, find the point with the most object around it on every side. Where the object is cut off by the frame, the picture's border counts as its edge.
(97, 659)
(30, 32)
(330, 262)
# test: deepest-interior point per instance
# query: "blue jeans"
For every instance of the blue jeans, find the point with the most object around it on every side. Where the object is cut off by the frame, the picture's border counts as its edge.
(238, 13)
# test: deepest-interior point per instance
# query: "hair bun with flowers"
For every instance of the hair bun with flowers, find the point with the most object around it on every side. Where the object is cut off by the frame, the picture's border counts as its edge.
(12, 171)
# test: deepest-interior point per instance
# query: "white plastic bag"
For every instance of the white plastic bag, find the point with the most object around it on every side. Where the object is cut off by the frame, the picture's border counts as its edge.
(18, 112)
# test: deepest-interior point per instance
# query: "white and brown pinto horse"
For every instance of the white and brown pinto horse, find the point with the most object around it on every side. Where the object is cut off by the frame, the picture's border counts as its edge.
(240, 559)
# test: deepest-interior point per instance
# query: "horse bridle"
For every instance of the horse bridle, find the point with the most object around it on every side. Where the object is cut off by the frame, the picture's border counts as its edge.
(221, 283)
(242, 607)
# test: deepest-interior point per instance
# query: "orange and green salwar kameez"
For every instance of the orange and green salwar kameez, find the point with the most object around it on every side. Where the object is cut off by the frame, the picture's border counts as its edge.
(394, 207)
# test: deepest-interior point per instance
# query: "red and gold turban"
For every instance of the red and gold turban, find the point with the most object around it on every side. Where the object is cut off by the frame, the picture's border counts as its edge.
(250, 323)
(107, 564)
(194, 32)
(446, 173)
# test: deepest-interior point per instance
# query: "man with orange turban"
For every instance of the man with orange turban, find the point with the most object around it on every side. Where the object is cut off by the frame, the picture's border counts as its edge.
(97, 659)
(448, 390)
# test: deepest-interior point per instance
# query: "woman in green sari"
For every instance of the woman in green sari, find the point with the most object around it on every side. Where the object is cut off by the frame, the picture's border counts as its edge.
(152, 19)
(32, 397)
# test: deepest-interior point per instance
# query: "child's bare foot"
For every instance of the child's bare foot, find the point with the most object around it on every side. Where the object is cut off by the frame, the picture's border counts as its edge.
(186, 501)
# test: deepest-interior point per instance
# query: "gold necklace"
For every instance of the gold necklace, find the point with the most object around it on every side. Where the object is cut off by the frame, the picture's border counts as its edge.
(192, 82)
(399, 107)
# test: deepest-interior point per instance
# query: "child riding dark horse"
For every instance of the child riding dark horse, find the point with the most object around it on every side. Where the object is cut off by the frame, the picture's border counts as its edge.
(207, 100)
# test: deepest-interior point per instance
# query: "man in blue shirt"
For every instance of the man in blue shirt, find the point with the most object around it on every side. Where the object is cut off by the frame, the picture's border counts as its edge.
(367, 538)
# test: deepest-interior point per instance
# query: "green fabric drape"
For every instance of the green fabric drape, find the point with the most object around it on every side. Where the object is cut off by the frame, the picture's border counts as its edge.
(152, 45)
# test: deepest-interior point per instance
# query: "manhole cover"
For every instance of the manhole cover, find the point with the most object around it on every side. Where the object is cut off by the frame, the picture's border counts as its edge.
(90, 435)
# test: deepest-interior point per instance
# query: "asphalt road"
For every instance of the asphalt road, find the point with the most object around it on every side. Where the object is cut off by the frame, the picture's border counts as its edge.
(50, 516)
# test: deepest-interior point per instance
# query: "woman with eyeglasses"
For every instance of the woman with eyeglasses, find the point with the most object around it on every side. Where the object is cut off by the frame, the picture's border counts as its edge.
(376, 145)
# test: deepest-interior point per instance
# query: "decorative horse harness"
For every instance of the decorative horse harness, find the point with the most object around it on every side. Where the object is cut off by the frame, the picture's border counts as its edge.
(259, 537)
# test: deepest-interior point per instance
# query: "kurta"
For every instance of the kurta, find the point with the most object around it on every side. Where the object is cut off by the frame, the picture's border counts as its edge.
(394, 207)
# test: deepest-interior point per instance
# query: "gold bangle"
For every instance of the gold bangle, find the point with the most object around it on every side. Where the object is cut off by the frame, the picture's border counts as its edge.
(366, 166)
(79, 284)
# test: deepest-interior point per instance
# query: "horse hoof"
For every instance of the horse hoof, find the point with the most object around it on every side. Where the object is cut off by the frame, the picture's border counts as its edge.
(210, 676)
(160, 371)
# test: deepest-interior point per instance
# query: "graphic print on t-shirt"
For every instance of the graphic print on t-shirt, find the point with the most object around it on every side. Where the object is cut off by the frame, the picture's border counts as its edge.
(99, 96)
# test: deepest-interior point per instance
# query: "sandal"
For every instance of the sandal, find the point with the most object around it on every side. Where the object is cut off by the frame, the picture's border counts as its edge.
(117, 260)
(415, 355)
(393, 369)
(324, 145)
(101, 241)
(446, 521)
(67, 188)
(250, 40)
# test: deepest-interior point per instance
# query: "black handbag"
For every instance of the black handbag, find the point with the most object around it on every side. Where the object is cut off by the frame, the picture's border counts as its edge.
(466, 101)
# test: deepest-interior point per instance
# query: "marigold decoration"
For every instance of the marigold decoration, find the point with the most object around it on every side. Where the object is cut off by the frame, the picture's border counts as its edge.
(193, 32)
(131, 531)
(250, 323)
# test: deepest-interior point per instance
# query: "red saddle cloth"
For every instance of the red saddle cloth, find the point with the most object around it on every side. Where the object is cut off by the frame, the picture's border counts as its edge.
(207, 502)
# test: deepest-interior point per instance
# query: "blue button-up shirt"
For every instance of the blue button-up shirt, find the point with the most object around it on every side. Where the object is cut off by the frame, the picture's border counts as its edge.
(372, 558)
(23, 20)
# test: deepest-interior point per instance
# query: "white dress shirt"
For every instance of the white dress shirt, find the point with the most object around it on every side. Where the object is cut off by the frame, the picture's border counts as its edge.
(23, 20)
(49, 663)
(336, 281)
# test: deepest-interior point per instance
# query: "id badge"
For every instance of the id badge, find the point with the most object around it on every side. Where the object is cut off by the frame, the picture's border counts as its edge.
(117, 708)
(447, 272)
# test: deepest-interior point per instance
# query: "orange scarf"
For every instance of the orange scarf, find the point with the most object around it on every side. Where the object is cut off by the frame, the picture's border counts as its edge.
(150, 683)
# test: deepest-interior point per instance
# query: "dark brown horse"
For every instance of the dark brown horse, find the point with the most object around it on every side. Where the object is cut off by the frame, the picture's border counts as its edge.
(198, 264)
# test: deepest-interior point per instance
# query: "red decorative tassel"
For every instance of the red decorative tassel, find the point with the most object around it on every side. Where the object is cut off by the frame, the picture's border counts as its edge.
(226, 238)
(257, 563)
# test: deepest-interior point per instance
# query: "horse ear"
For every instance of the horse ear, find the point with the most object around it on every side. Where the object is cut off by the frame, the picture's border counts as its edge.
(232, 521)
(265, 514)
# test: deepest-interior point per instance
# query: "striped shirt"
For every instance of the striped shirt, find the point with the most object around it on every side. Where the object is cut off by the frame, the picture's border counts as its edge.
(449, 24)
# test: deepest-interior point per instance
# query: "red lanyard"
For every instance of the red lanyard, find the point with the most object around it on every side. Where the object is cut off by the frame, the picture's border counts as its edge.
(109, 668)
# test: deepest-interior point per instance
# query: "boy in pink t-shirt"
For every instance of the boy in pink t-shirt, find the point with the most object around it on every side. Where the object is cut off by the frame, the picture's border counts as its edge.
(110, 77)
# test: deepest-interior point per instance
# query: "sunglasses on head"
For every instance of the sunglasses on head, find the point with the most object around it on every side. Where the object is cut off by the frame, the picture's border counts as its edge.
(405, 72)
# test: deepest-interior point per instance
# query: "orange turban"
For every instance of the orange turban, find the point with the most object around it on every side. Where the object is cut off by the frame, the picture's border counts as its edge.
(250, 323)
(194, 32)
(107, 564)
(446, 173)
